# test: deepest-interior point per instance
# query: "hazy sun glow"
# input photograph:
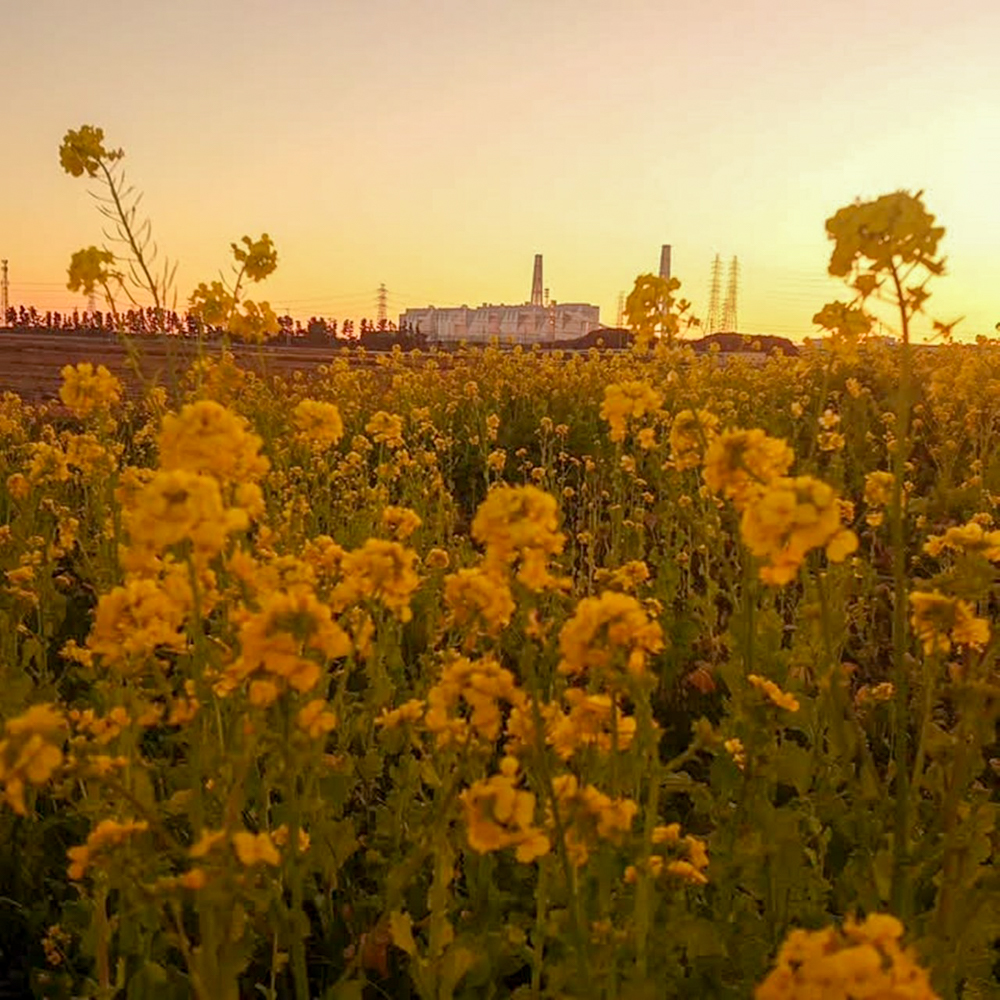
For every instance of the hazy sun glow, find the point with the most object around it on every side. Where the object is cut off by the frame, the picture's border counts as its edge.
(437, 146)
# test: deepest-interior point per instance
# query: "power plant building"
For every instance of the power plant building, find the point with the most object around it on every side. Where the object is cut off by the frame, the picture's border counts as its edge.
(534, 322)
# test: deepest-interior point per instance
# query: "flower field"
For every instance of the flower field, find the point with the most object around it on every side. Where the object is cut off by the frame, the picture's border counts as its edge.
(510, 674)
(527, 676)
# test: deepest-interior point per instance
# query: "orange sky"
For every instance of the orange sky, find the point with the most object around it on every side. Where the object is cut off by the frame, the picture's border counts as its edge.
(437, 145)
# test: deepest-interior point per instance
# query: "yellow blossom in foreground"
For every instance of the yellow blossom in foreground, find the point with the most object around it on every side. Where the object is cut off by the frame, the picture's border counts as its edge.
(520, 523)
(437, 559)
(625, 400)
(86, 389)
(207, 438)
(386, 428)
(276, 641)
(939, 621)
(30, 752)
(135, 620)
(380, 570)
(734, 747)
(400, 522)
(499, 815)
(480, 600)
(740, 463)
(316, 718)
(603, 629)
(862, 959)
(410, 711)
(318, 423)
(587, 815)
(690, 433)
(790, 517)
(478, 685)
(181, 506)
(255, 849)
(107, 834)
(593, 720)
(970, 537)
(774, 693)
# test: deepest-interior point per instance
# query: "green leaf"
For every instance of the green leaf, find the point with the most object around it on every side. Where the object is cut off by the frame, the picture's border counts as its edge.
(401, 928)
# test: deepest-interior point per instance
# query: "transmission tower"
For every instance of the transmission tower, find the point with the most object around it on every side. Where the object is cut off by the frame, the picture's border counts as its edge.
(4, 294)
(621, 310)
(382, 315)
(714, 318)
(730, 322)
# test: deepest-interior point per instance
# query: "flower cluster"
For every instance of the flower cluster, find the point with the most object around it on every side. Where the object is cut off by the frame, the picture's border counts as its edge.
(608, 632)
(520, 524)
(86, 389)
(940, 622)
(499, 815)
(790, 517)
(861, 959)
(30, 752)
(625, 401)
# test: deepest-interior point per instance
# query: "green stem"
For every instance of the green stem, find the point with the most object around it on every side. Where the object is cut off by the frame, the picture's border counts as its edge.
(900, 889)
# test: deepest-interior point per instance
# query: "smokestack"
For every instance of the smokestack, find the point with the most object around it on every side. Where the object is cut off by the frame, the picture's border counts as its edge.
(536, 282)
(665, 261)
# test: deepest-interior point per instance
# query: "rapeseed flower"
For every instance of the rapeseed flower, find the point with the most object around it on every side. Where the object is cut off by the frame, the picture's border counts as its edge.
(741, 463)
(690, 433)
(861, 959)
(86, 389)
(940, 621)
(790, 517)
(603, 630)
(499, 815)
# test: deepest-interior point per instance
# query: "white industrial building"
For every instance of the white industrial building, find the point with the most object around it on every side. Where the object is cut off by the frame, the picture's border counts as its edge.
(534, 322)
(525, 324)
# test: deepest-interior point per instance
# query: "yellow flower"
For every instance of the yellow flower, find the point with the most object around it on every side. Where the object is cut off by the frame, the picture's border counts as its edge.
(316, 718)
(690, 433)
(82, 151)
(605, 629)
(208, 841)
(939, 621)
(790, 517)
(740, 463)
(179, 506)
(85, 389)
(386, 428)
(380, 570)
(520, 523)
(135, 620)
(970, 537)
(593, 720)
(478, 686)
(774, 693)
(499, 815)
(318, 423)
(207, 438)
(255, 849)
(478, 598)
(861, 959)
(400, 522)
(409, 712)
(437, 559)
(588, 815)
(625, 400)
(107, 834)
(276, 640)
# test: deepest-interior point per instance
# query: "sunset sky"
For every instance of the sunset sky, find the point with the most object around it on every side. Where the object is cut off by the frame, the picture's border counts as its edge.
(437, 145)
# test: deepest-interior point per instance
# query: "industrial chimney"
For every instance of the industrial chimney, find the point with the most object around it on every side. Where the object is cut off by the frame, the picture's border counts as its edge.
(537, 293)
(665, 261)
